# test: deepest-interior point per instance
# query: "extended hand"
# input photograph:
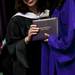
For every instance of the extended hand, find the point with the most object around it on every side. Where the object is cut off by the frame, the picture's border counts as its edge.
(32, 31)
(46, 35)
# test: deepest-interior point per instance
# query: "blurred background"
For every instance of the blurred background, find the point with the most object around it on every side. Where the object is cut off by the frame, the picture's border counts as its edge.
(6, 11)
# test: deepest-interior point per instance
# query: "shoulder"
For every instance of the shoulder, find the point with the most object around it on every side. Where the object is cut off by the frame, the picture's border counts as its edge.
(18, 24)
(20, 17)
(18, 20)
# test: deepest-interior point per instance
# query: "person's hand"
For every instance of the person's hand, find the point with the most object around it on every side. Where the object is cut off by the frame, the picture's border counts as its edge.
(47, 36)
(32, 31)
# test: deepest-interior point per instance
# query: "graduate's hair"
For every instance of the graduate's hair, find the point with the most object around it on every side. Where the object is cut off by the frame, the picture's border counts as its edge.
(22, 7)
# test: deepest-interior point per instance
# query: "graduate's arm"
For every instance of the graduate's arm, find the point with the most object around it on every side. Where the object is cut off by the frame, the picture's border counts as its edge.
(15, 43)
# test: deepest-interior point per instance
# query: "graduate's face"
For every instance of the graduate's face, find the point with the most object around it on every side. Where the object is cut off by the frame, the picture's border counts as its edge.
(30, 3)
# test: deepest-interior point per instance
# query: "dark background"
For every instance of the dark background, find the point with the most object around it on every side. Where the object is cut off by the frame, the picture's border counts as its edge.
(6, 11)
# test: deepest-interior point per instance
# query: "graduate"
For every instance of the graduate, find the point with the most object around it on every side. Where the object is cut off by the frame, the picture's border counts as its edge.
(25, 54)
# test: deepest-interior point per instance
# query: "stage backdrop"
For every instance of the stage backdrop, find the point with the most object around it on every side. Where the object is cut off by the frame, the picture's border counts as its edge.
(6, 11)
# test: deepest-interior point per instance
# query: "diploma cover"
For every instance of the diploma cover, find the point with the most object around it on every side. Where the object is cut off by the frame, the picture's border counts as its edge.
(48, 25)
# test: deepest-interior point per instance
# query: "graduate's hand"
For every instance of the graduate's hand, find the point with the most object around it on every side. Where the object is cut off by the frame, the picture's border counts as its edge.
(33, 30)
(47, 36)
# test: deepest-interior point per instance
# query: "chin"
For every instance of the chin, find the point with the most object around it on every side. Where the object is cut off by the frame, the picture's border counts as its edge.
(31, 5)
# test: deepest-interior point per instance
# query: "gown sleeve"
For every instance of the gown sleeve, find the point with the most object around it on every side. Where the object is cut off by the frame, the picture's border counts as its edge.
(15, 41)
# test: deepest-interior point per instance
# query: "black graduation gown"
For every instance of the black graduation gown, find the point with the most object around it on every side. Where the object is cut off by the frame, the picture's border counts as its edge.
(25, 58)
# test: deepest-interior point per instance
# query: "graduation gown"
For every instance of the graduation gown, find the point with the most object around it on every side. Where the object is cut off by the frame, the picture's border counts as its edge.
(59, 57)
(25, 58)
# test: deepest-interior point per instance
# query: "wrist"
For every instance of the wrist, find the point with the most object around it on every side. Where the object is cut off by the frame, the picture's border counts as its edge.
(26, 40)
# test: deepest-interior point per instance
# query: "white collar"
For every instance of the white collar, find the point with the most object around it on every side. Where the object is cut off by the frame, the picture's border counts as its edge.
(32, 15)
